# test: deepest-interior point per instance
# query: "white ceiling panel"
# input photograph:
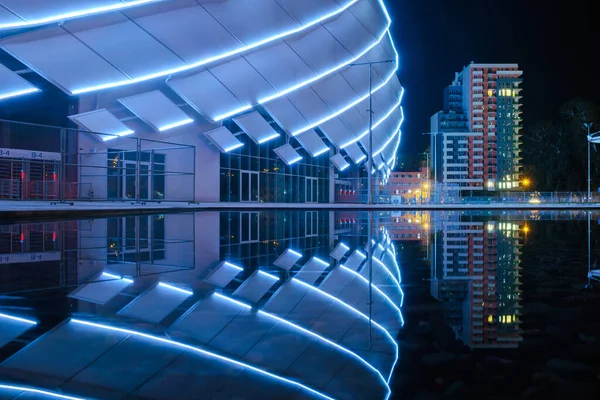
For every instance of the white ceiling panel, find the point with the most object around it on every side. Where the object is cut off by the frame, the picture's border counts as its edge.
(351, 33)
(205, 93)
(42, 9)
(336, 281)
(8, 18)
(12, 326)
(319, 49)
(339, 251)
(288, 154)
(224, 139)
(370, 14)
(312, 107)
(287, 259)
(355, 260)
(242, 80)
(256, 127)
(104, 288)
(186, 28)
(255, 287)
(285, 114)
(286, 298)
(269, 60)
(335, 91)
(12, 85)
(355, 153)
(41, 49)
(155, 109)
(102, 121)
(354, 120)
(156, 304)
(340, 162)
(136, 53)
(306, 11)
(337, 132)
(312, 143)
(224, 274)
(312, 270)
(251, 21)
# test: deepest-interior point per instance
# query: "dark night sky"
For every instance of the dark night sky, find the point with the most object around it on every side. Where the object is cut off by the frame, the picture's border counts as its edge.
(555, 43)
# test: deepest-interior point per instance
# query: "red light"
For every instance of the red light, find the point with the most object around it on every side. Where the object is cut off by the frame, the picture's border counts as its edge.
(22, 237)
(54, 236)
(54, 176)
(22, 175)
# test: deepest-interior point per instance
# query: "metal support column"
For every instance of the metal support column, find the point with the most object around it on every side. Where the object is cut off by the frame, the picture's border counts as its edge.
(370, 254)
(370, 171)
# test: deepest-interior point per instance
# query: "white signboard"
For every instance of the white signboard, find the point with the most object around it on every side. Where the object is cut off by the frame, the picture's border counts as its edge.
(29, 154)
(20, 258)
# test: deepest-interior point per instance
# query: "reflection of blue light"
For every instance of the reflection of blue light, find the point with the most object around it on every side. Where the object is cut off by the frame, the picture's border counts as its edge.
(106, 138)
(385, 296)
(175, 124)
(268, 275)
(119, 5)
(396, 132)
(361, 159)
(37, 391)
(321, 261)
(295, 160)
(18, 93)
(233, 266)
(229, 299)
(203, 352)
(264, 140)
(27, 321)
(165, 285)
(235, 146)
(113, 276)
(344, 167)
(217, 57)
(393, 255)
(361, 254)
(322, 151)
(329, 342)
(295, 253)
(355, 311)
(349, 106)
(344, 246)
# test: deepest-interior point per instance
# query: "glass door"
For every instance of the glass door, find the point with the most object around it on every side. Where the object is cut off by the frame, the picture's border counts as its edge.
(249, 186)
(312, 190)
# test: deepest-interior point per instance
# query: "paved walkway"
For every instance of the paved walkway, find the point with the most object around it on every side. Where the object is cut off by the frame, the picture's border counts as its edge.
(45, 209)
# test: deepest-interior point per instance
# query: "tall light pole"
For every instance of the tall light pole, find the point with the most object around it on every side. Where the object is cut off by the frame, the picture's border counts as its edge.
(433, 152)
(370, 163)
(591, 138)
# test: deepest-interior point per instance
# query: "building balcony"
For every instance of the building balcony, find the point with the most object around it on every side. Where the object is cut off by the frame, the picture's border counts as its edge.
(477, 95)
(478, 103)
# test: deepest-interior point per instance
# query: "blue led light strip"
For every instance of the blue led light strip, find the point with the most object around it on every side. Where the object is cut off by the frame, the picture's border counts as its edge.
(37, 391)
(119, 5)
(354, 310)
(204, 353)
(310, 333)
(219, 56)
(18, 93)
(175, 124)
(375, 125)
(18, 319)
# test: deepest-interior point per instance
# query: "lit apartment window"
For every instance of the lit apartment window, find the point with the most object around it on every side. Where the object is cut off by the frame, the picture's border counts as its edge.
(490, 93)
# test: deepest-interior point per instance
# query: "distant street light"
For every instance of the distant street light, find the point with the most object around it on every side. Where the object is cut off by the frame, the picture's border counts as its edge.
(526, 182)
(591, 138)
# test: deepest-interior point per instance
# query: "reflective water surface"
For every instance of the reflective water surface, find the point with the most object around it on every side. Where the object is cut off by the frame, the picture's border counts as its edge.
(303, 304)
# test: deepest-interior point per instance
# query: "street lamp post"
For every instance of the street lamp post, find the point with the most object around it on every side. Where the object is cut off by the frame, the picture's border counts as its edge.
(370, 163)
(591, 138)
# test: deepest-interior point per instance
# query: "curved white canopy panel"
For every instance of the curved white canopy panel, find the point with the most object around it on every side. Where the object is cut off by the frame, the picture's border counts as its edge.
(224, 274)
(256, 286)
(288, 259)
(312, 270)
(340, 251)
(312, 143)
(224, 139)
(336, 132)
(340, 162)
(12, 85)
(155, 109)
(285, 114)
(256, 127)
(288, 154)
(355, 153)
(102, 121)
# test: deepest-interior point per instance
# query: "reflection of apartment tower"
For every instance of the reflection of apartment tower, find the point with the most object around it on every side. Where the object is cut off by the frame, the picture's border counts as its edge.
(475, 273)
(476, 137)
(410, 226)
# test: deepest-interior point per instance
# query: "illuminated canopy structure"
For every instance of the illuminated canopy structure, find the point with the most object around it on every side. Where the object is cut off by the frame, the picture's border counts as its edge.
(170, 69)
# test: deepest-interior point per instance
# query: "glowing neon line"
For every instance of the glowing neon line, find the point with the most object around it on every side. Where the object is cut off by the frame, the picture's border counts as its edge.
(345, 247)
(362, 315)
(76, 14)
(18, 93)
(27, 321)
(385, 296)
(233, 266)
(235, 146)
(166, 285)
(113, 276)
(328, 72)
(295, 253)
(268, 275)
(106, 138)
(204, 353)
(175, 124)
(393, 255)
(396, 132)
(344, 167)
(361, 159)
(295, 160)
(323, 151)
(219, 56)
(329, 342)
(349, 106)
(307, 332)
(273, 136)
(239, 303)
(38, 391)
(321, 261)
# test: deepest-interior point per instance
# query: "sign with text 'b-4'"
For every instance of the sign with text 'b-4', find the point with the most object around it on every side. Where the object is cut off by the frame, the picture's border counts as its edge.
(29, 154)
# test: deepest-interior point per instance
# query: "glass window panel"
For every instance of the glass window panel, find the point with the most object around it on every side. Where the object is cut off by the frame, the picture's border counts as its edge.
(254, 187)
(245, 186)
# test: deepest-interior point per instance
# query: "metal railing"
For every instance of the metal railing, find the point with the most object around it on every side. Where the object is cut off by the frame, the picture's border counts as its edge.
(41, 162)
